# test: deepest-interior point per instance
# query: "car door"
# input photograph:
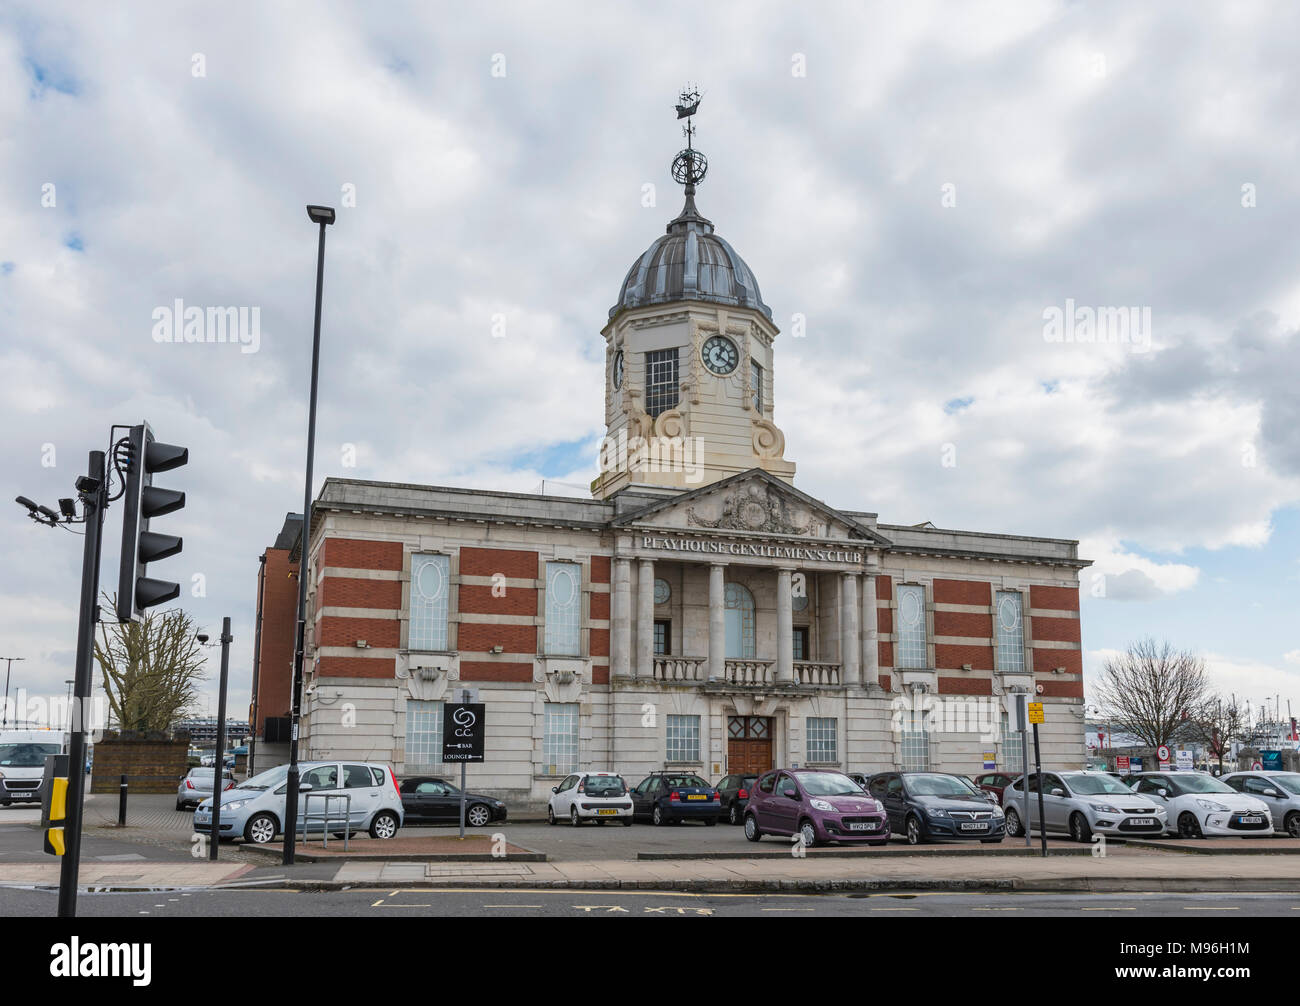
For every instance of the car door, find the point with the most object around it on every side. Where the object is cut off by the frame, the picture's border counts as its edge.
(761, 796)
(364, 795)
(1261, 787)
(784, 810)
(564, 794)
(895, 801)
(1056, 809)
(641, 798)
(1149, 786)
(323, 780)
(1031, 790)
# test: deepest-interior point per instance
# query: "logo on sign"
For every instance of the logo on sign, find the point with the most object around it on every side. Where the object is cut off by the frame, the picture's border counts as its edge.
(464, 720)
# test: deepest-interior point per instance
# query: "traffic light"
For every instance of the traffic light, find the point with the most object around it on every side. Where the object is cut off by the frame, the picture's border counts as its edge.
(54, 802)
(142, 501)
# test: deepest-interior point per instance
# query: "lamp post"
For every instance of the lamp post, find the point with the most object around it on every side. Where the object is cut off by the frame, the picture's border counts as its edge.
(219, 764)
(324, 216)
(4, 711)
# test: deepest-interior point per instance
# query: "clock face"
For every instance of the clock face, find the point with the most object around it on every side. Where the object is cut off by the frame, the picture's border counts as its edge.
(720, 355)
(618, 369)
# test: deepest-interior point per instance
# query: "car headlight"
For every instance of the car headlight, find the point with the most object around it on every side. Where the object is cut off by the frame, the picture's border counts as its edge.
(936, 812)
(821, 804)
(997, 811)
(1210, 805)
(1105, 808)
(233, 805)
(880, 807)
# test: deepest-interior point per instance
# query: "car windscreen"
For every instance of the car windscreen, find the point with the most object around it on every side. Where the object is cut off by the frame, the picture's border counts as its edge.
(1289, 781)
(265, 780)
(685, 782)
(938, 785)
(605, 785)
(827, 784)
(1194, 782)
(1096, 785)
(25, 754)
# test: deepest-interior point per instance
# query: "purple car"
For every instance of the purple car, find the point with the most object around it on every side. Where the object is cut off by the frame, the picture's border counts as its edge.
(818, 804)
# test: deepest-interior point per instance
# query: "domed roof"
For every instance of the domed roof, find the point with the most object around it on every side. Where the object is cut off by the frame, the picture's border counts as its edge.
(690, 262)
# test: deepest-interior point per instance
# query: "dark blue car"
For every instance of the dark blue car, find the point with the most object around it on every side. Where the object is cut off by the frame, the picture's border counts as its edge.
(671, 797)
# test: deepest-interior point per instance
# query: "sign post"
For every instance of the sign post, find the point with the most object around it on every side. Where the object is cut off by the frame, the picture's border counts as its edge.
(463, 734)
(1020, 703)
(1036, 717)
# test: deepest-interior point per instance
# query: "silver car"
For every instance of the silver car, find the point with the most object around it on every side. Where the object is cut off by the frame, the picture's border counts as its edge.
(196, 785)
(363, 796)
(1280, 792)
(1081, 804)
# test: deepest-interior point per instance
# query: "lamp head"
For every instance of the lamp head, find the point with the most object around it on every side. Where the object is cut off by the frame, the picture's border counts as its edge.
(321, 214)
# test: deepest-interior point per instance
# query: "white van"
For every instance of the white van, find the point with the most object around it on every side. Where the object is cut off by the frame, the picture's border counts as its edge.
(22, 762)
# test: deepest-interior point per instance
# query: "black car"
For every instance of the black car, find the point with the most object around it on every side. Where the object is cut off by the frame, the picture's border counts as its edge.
(930, 805)
(427, 800)
(672, 797)
(734, 790)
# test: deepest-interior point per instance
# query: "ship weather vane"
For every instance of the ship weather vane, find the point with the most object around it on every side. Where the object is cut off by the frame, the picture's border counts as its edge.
(689, 166)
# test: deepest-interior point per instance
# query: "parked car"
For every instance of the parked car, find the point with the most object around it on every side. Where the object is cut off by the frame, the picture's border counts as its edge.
(196, 785)
(1081, 803)
(1280, 792)
(734, 791)
(671, 797)
(427, 800)
(1197, 804)
(863, 779)
(819, 805)
(590, 796)
(255, 810)
(22, 762)
(928, 805)
(994, 783)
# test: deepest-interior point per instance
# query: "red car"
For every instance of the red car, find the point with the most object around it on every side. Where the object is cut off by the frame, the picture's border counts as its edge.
(996, 782)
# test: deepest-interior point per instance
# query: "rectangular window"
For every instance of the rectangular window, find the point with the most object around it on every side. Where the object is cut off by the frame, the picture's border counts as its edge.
(663, 637)
(661, 381)
(1011, 633)
(821, 745)
(683, 739)
(801, 643)
(916, 751)
(1012, 761)
(756, 379)
(423, 734)
(911, 626)
(430, 590)
(560, 738)
(563, 609)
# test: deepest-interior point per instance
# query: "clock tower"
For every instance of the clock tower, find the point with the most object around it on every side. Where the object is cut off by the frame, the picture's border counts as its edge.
(688, 358)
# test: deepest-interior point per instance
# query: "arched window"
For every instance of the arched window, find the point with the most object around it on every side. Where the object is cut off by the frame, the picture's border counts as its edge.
(739, 621)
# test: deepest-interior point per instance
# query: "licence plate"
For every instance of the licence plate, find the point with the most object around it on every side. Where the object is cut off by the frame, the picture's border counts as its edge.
(696, 796)
(863, 826)
(1142, 822)
(1252, 819)
(605, 813)
(974, 826)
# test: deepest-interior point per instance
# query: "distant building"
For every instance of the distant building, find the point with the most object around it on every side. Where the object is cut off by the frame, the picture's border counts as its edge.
(273, 638)
(203, 731)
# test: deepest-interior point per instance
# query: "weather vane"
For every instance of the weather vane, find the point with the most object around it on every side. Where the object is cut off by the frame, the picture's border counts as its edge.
(689, 166)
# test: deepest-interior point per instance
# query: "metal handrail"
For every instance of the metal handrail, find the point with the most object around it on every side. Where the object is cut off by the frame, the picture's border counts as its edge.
(324, 817)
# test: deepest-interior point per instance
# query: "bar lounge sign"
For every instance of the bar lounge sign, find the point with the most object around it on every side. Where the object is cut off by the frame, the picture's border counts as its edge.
(707, 546)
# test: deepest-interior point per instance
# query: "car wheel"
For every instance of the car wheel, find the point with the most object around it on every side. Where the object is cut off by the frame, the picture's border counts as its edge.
(1188, 826)
(384, 825)
(1080, 830)
(657, 816)
(573, 817)
(751, 828)
(733, 815)
(627, 821)
(179, 805)
(808, 834)
(260, 829)
(1013, 824)
(477, 816)
(550, 814)
(710, 821)
(1292, 824)
(914, 836)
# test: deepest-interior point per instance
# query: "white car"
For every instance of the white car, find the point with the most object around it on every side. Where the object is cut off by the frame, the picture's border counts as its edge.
(1280, 791)
(1199, 805)
(590, 796)
(1082, 804)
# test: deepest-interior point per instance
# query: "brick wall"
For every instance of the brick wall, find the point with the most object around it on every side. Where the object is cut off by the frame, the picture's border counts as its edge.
(152, 766)
(279, 610)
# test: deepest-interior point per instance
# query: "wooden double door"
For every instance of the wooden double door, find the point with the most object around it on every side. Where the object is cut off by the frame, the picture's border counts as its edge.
(749, 745)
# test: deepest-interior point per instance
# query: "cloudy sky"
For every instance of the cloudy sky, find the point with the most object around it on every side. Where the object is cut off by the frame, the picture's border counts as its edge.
(927, 185)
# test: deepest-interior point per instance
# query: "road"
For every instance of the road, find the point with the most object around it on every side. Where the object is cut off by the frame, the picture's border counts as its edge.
(378, 903)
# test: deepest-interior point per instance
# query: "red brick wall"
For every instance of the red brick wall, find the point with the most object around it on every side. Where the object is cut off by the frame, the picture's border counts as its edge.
(1042, 661)
(1062, 689)
(600, 569)
(513, 563)
(962, 592)
(965, 686)
(337, 631)
(886, 650)
(475, 637)
(356, 667)
(353, 592)
(1059, 598)
(279, 610)
(979, 657)
(884, 588)
(600, 642)
(600, 674)
(885, 619)
(964, 623)
(478, 599)
(599, 605)
(488, 670)
(352, 553)
(1064, 630)
(886, 683)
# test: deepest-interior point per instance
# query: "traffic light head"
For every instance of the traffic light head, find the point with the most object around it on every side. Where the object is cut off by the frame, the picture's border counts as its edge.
(141, 502)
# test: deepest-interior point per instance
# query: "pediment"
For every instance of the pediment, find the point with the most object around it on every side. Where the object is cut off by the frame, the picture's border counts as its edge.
(751, 503)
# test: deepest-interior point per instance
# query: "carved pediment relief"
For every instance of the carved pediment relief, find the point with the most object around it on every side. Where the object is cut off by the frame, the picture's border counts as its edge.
(756, 507)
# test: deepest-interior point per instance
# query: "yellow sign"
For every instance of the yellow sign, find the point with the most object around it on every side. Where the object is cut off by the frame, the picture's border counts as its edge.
(1036, 712)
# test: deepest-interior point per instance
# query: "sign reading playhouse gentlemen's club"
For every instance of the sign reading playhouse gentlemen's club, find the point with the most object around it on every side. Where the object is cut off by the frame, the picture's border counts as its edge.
(762, 550)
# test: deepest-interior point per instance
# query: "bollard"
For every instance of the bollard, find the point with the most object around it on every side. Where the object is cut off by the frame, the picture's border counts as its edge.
(121, 803)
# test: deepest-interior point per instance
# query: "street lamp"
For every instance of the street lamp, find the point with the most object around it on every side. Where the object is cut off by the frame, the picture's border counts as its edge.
(4, 712)
(324, 216)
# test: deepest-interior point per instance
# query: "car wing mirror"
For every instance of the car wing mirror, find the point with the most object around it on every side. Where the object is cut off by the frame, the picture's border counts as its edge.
(1058, 792)
(1272, 792)
(1163, 793)
(306, 788)
(555, 789)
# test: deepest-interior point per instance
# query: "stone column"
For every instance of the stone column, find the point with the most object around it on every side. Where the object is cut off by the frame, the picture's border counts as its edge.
(870, 630)
(645, 620)
(850, 639)
(717, 622)
(784, 627)
(620, 641)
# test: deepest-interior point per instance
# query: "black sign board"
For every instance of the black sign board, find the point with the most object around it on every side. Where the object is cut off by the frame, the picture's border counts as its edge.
(462, 731)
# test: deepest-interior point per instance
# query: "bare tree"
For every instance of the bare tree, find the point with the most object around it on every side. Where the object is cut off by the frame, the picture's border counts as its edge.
(1152, 691)
(1218, 723)
(151, 668)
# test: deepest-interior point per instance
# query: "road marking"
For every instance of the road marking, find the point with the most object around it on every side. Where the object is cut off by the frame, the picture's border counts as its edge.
(895, 909)
(377, 903)
(995, 909)
(1111, 908)
(512, 906)
(788, 909)
(1211, 908)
